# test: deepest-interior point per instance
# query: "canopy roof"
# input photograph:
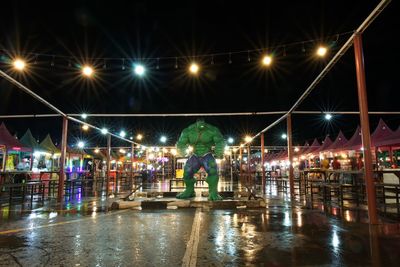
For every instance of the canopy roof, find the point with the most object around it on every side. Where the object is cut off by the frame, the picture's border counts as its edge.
(304, 148)
(393, 140)
(326, 143)
(313, 147)
(49, 146)
(381, 134)
(10, 142)
(339, 142)
(355, 142)
(28, 140)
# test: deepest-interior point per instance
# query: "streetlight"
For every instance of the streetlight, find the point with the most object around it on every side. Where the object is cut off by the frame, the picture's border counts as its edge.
(104, 131)
(139, 70)
(87, 71)
(321, 51)
(230, 140)
(267, 60)
(284, 136)
(19, 64)
(163, 139)
(139, 137)
(248, 139)
(122, 134)
(328, 117)
(194, 68)
(81, 144)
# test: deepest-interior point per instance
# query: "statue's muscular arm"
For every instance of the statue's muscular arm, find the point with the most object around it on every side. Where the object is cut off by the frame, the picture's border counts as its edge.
(219, 142)
(183, 142)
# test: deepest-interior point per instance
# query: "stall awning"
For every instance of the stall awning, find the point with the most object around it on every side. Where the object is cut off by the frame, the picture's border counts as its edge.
(339, 142)
(354, 142)
(28, 140)
(325, 144)
(381, 134)
(10, 142)
(313, 147)
(49, 146)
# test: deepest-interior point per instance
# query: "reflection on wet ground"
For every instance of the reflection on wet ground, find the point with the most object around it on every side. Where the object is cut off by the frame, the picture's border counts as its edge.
(282, 236)
(82, 232)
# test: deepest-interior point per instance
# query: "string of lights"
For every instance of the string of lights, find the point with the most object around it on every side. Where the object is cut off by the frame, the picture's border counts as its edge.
(88, 66)
(349, 42)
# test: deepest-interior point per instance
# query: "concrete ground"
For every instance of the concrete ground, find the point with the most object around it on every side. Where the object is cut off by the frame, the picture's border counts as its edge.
(85, 233)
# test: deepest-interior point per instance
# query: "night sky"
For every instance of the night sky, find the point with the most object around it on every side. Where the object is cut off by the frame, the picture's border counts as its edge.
(57, 38)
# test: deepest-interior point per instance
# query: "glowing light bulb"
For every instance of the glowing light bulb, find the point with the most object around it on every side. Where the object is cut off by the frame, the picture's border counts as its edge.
(328, 117)
(87, 71)
(81, 144)
(19, 64)
(248, 139)
(267, 60)
(194, 68)
(321, 51)
(139, 70)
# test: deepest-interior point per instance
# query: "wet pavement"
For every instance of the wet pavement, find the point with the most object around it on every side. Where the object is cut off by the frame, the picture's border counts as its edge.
(279, 235)
(84, 232)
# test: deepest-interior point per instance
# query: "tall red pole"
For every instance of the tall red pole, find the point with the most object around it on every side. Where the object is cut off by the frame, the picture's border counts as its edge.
(262, 164)
(108, 164)
(365, 130)
(240, 161)
(61, 177)
(132, 159)
(290, 154)
(249, 178)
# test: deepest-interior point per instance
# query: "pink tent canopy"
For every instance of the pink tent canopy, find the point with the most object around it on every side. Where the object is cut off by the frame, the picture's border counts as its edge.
(339, 143)
(381, 134)
(303, 148)
(10, 142)
(355, 142)
(280, 155)
(327, 142)
(393, 140)
(313, 147)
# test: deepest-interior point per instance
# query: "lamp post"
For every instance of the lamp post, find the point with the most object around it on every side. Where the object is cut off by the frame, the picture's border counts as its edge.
(365, 134)
(61, 178)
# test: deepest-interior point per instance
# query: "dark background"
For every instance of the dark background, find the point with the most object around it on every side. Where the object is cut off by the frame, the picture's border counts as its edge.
(66, 33)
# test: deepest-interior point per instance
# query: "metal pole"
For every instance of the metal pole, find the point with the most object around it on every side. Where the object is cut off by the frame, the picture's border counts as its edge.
(262, 164)
(108, 164)
(231, 165)
(365, 130)
(163, 165)
(61, 177)
(240, 162)
(249, 179)
(290, 154)
(3, 164)
(132, 159)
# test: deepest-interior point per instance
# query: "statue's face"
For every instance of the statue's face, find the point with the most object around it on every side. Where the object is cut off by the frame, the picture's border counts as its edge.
(200, 124)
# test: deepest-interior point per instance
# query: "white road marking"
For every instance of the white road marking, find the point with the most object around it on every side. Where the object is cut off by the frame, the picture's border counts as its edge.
(190, 258)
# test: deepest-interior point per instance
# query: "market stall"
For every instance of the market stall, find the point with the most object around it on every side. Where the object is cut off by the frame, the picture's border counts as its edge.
(15, 155)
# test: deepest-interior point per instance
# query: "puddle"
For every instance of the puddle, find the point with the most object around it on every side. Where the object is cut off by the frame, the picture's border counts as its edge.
(12, 242)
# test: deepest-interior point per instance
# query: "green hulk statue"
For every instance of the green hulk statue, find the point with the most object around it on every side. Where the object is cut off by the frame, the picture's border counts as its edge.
(201, 137)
